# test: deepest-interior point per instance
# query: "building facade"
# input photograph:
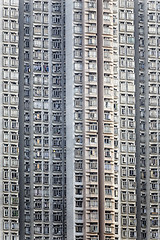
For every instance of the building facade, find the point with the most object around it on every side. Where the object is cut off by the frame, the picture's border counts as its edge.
(100, 56)
(147, 117)
(42, 125)
(80, 119)
(9, 112)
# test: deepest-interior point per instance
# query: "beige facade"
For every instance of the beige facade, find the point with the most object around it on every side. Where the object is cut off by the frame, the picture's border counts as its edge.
(104, 118)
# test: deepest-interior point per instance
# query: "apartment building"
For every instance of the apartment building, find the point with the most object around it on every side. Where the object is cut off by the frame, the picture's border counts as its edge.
(42, 120)
(9, 151)
(80, 119)
(147, 75)
(82, 106)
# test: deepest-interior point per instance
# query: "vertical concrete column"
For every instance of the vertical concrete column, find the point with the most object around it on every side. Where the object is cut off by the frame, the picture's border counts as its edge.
(101, 185)
(137, 97)
(70, 195)
(21, 120)
(147, 116)
(50, 115)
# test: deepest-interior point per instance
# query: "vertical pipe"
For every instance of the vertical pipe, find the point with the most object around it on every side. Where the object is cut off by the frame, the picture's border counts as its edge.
(50, 116)
(70, 194)
(84, 124)
(31, 127)
(101, 185)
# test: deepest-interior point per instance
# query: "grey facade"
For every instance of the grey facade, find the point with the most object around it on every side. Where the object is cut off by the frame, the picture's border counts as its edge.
(79, 118)
(9, 112)
(42, 133)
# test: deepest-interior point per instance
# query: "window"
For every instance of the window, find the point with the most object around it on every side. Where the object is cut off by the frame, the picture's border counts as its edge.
(108, 203)
(93, 228)
(108, 190)
(79, 228)
(93, 165)
(77, 16)
(78, 28)
(92, 4)
(78, 41)
(92, 16)
(107, 153)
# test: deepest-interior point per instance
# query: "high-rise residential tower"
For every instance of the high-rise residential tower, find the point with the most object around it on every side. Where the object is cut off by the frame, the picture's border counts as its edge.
(79, 118)
(147, 117)
(42, 120)
(100, 111)
(9, 201)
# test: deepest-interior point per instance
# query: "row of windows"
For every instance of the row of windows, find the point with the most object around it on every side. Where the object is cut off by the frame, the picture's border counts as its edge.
(13, 212)
(39, 6)
(126, 50)
(10, 149)
(10, 61)
(12, 112)
(130, 172)
(40, 18)
(126, 27)
(10, 124)
(38, 229)
(10, 25)
(37, 43)
(13, 187)
(12, 174)
(10, 37)
(126, 15)
(126, 4)
(127, 63)
(10, 49)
